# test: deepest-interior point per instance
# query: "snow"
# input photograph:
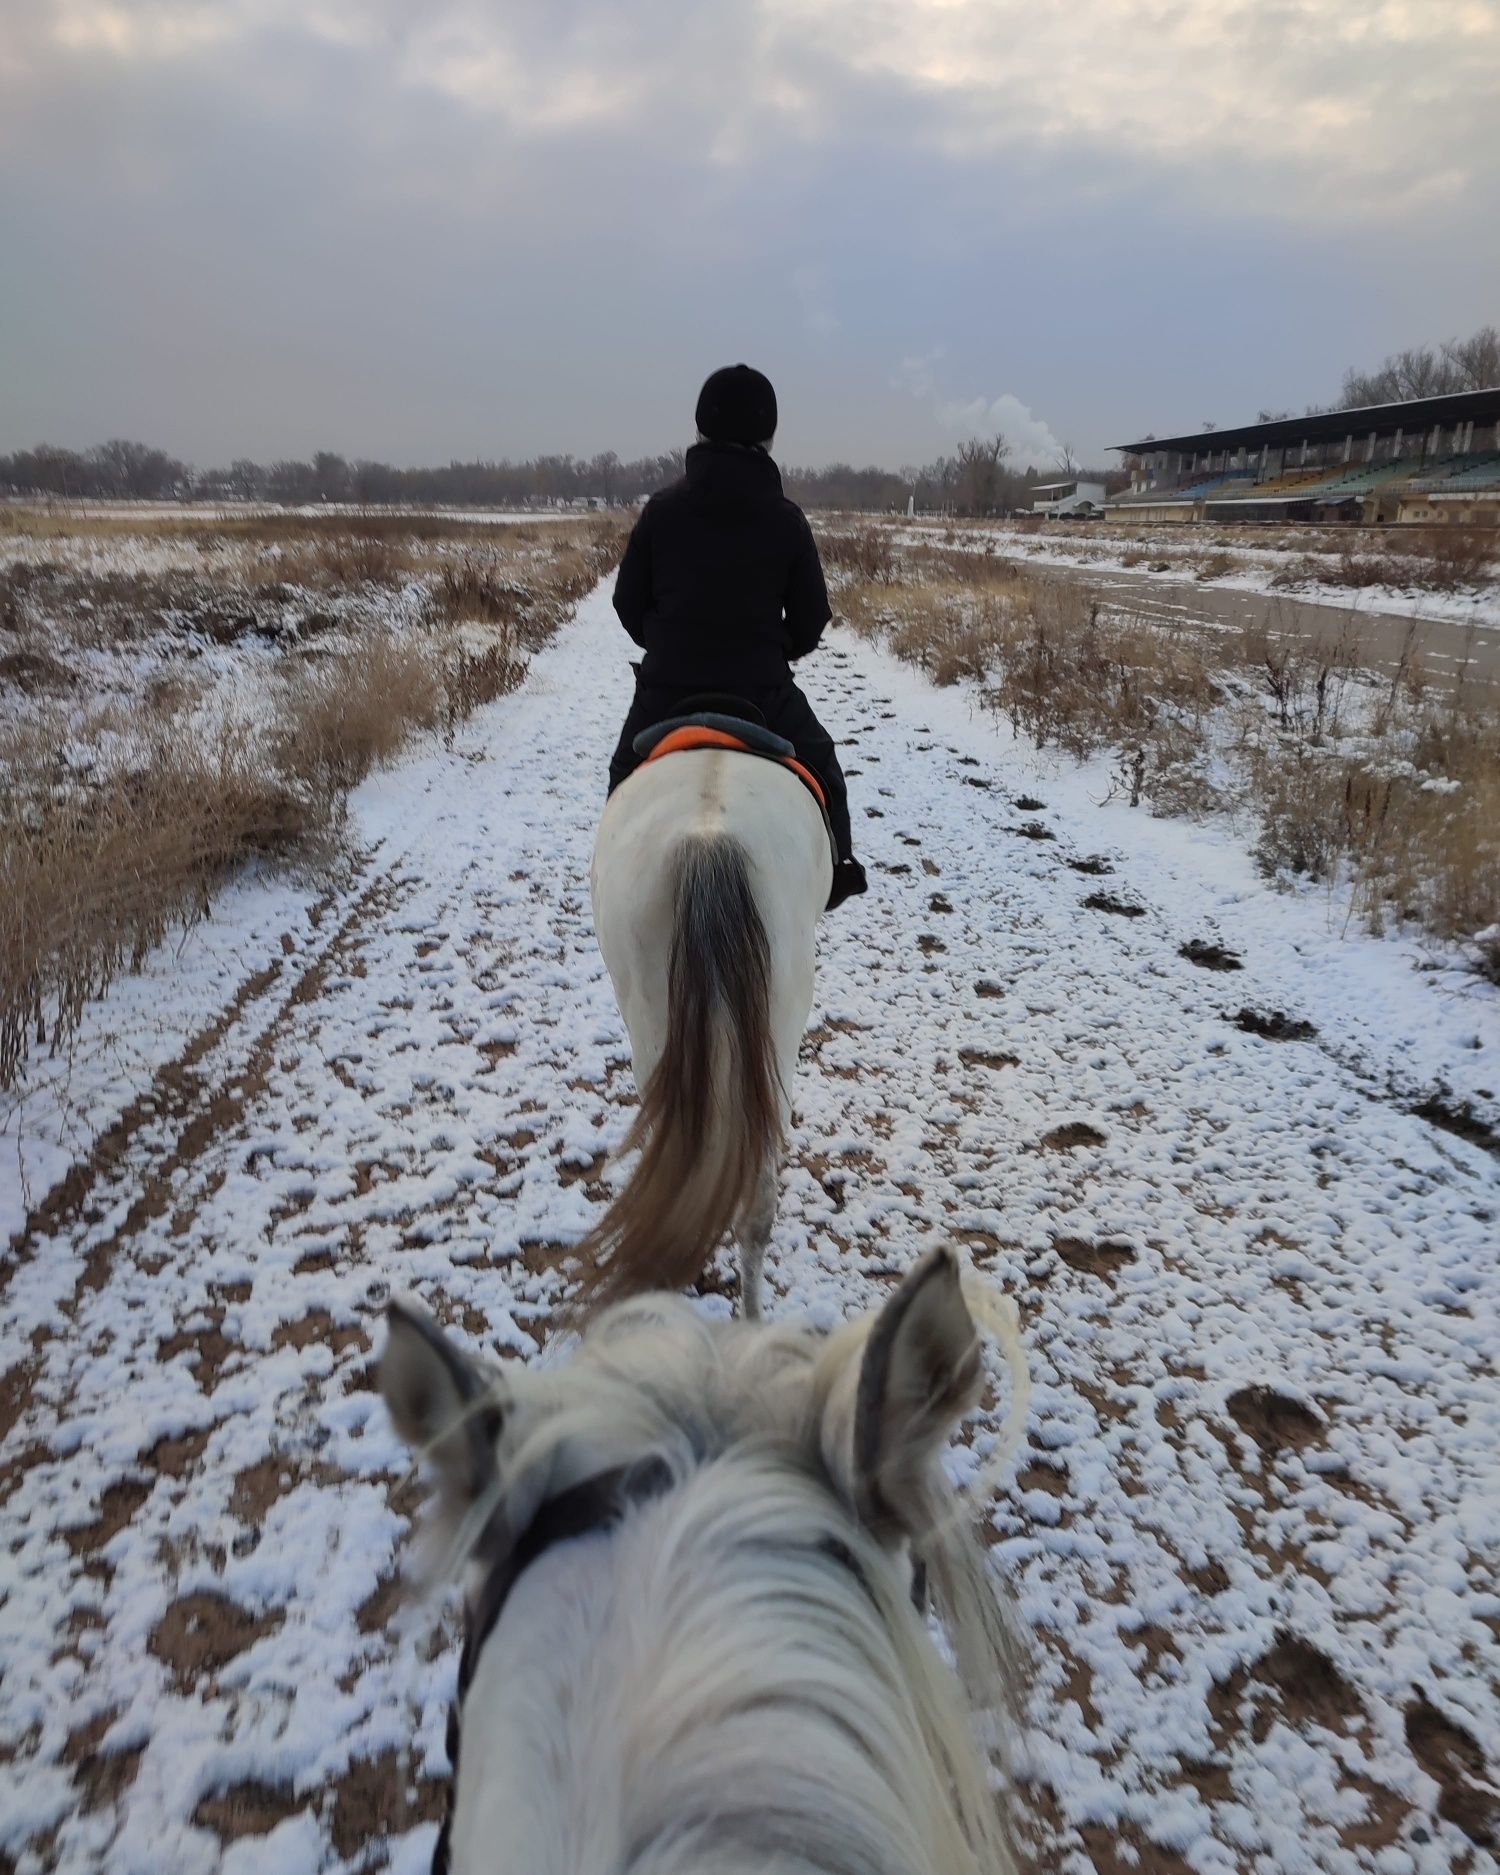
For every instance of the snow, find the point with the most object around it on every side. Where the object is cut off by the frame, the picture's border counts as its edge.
(420, 1097)
(1249, 566)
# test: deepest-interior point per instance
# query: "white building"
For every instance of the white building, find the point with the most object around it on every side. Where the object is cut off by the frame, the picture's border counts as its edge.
(1075, 497)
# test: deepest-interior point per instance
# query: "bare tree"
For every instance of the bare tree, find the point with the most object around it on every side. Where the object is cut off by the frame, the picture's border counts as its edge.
(1067, 462)
(1471, 364)
(980, 461)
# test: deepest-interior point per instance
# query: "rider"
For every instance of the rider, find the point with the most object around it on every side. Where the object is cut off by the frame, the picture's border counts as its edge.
(722, 587)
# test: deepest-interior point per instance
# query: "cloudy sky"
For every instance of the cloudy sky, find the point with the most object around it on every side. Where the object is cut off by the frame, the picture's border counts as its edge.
(459, 227)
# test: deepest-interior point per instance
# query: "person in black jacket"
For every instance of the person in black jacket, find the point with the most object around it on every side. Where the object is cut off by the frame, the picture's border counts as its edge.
(722, 587)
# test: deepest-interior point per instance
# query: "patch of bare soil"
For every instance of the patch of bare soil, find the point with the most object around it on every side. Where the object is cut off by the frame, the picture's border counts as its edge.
(248, 1809)
(380, 1797)
(319, 1327)
(117, 1505)
(202, 1632)
(1074, 1133)
(101, 1778)
(1273, 1420)
(1122, 908)
(1209, 956)
(1095, 866)
(1273, 1025)
(1103, 1258)
(1468, 1798)
(1033, 830)
(211, 1349)
(990, 1058)
(540, 1257)
(1459, 1119)
(1306, 1685)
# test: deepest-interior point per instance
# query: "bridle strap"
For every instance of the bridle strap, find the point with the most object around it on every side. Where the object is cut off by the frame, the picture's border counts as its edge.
(592, 1504)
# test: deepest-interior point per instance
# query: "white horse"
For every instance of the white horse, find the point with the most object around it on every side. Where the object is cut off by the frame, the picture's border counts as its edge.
(710, 870)
(692, 1645)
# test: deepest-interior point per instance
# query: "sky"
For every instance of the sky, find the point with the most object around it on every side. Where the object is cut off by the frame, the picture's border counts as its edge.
(496, 227)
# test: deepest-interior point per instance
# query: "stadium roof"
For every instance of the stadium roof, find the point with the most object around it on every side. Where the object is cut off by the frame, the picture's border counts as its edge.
(1416, 414)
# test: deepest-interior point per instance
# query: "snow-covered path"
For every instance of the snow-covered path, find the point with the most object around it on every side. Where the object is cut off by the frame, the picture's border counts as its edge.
(1255, 1528)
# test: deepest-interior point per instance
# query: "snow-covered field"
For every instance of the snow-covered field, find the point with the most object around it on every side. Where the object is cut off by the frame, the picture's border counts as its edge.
(1255, 1529)
(1226, 559)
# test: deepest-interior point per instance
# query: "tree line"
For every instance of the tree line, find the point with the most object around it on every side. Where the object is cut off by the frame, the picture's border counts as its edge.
(1471, 364)
(978, 478)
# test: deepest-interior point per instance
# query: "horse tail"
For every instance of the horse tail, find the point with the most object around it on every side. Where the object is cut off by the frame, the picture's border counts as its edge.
(709, 1121)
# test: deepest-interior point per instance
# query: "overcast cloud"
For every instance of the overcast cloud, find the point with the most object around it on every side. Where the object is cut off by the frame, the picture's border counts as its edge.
(268, 226)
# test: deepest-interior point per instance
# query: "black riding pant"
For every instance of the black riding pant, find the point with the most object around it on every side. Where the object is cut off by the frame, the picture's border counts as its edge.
(786, 711)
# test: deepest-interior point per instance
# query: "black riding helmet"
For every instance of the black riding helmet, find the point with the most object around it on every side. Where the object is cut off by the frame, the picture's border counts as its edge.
(737, 405)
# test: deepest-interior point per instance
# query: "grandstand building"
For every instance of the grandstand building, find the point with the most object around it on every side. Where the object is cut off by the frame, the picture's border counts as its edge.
(1433, 460)
(1058, 499)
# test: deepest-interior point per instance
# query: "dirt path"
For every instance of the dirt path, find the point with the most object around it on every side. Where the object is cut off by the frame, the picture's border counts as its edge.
(1254, 1526)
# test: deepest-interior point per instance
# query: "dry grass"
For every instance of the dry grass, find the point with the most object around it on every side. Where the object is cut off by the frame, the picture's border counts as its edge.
(165, 793)
(337, 720)
(1388, 785)
(1415, 559)
(92, 877)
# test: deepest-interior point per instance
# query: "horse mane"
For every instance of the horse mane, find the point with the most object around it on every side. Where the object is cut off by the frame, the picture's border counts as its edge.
(753, 1604)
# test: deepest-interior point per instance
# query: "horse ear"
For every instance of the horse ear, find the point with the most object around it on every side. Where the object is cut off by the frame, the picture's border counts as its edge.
(919, 1373)
(437, 1400)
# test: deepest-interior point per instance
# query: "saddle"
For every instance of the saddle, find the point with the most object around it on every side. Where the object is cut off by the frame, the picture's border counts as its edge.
(725, 722)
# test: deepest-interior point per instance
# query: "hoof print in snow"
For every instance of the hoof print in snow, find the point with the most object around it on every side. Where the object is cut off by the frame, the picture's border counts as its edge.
(1033, 830)
(1094, 865)
(381, 1797)
(1075, 1133)
(1275, 1421)
(542, 1258)
(1454, 1762)
(210, 1348)
(987, 1058)
(318, 1329)
(251, 1808)
(1209, 956)
(118, 1504)
(101, 1778)
(1121, 908)
(1304, 1684)
(1103, 1258)
(202, 1632)
(1274, 1026)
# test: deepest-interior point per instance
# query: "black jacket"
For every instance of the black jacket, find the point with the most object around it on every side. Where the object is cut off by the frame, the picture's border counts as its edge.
(721, 582)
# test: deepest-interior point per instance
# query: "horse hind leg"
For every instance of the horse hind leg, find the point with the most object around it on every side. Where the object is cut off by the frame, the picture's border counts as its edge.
(754, 1234)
